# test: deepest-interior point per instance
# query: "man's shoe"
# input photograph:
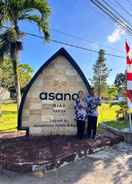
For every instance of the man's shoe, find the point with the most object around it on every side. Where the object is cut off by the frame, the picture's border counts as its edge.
(88, 136)
(93, 137)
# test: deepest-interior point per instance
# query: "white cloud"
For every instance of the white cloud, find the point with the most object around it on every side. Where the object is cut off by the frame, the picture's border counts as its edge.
(116, 35)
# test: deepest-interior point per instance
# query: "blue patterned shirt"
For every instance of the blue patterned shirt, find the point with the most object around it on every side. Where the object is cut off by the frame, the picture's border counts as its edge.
(92, 104)
(80, 110)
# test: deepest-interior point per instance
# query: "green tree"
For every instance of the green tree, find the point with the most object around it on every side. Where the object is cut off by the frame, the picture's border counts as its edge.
(6, 76)
(121, 82)
(13, 12)
(25, 72)
(100, 74)
(112, 92)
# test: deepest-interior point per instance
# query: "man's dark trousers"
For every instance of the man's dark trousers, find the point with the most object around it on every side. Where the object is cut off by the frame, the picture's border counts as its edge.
(92, 126)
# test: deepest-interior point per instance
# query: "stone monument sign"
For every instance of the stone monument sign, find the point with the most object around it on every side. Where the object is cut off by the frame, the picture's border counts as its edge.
(47, 106)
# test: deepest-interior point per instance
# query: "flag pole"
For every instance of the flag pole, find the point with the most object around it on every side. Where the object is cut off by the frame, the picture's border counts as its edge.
(129, 82)
(130, 121)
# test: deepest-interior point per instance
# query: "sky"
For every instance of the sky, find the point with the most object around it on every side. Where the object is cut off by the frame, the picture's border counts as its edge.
(84, 20)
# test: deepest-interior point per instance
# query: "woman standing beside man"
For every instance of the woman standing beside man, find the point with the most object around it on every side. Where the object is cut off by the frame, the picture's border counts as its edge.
(86, 109)
(80, 114)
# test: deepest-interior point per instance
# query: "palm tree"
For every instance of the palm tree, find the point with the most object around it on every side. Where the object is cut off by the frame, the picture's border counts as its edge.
(12, 12)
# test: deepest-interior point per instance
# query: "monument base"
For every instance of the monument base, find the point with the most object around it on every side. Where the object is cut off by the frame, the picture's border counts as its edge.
(52, 131)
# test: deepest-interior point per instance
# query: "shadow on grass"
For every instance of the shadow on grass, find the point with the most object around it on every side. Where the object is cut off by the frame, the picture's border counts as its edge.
(8, 112)
(118, 124)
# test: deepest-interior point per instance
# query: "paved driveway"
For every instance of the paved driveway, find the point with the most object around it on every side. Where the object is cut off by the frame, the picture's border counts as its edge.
(109, 166)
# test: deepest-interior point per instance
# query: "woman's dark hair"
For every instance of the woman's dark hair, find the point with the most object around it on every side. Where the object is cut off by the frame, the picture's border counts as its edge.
(81, 91)
(92, 90)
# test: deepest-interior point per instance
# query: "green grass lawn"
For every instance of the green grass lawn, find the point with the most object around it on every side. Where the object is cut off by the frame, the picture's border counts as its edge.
(107, 114)
(8, 118)
(117, 124)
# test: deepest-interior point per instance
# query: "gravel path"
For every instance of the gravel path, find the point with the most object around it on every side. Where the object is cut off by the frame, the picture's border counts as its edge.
(109, 166)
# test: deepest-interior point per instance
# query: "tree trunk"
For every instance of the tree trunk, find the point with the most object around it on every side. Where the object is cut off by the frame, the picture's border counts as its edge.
(16, 77)
(99, 89)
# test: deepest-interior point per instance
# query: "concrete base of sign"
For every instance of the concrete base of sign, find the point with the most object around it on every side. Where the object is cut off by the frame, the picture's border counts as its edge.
(36, 131)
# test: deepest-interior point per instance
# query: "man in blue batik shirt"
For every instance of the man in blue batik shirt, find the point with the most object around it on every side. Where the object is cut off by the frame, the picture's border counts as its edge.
(92, 113)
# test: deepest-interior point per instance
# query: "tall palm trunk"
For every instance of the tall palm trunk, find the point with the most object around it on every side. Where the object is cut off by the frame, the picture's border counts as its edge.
(14, 57)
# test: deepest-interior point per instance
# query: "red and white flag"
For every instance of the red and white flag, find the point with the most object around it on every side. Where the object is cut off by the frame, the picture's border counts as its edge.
(129, 74)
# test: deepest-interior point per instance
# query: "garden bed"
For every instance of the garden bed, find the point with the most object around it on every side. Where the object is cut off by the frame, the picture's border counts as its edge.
(25, 154)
